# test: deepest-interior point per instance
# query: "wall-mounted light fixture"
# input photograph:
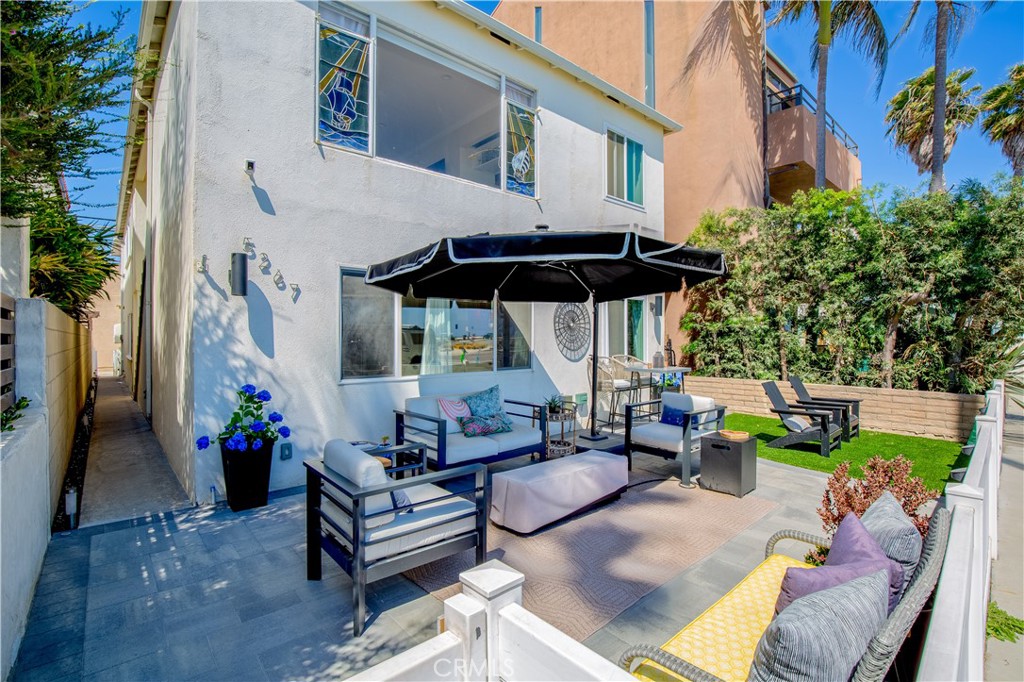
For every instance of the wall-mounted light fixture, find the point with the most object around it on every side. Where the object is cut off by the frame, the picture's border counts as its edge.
(656, 306)
(201, 265)
(238, 275)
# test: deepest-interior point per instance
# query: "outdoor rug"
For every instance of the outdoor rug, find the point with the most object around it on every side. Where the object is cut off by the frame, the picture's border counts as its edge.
(582, 572)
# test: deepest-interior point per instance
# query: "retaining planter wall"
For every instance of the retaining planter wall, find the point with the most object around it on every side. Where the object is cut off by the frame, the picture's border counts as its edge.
(949, 416)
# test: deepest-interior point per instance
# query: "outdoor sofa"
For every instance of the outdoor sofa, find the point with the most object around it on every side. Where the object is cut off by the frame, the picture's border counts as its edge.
(374, 526)
(700, 652)
(422, 421)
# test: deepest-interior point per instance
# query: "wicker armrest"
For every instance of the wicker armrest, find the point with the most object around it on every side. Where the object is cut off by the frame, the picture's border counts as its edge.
(666, 660)
(809, 538)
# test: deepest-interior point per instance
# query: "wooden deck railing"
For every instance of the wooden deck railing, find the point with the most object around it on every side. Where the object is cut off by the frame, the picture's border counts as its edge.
(6, 351)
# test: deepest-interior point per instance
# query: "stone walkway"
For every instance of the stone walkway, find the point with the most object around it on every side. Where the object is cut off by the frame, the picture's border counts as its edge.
(127, 475)
(1005, 660)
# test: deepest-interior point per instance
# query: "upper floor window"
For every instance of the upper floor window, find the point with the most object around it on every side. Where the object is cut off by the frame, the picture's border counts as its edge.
(625, 168)
(520, 145)
(384, 93)
(343, 88)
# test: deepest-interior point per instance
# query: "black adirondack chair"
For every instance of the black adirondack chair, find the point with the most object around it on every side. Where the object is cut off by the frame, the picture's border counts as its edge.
(822, 425)
(851, 411)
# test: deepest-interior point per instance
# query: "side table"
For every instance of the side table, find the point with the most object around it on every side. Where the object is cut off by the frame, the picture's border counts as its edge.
(408, 456)
(728, 466)
(558, 447)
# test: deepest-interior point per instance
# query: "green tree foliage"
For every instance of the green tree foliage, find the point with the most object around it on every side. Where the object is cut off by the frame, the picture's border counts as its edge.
(924, 292)
(911, 115)
(1003, 111)
(69, 261)
(61, 84)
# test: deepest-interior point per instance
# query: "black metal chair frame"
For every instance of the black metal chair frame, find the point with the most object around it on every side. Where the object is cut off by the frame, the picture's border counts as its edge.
(652, 409)
(851, 407)
(323, 532)
(438, 430)
(830, 435)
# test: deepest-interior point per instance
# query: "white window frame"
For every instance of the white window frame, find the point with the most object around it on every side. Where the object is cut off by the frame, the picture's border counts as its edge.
(438, 54)
(625, 150)
(396, 308)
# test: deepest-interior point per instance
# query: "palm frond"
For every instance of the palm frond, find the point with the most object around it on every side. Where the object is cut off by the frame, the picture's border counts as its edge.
(1003, 122)
(860, 24)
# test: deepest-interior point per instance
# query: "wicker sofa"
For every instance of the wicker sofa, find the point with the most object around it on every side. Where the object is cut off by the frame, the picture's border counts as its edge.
(699, 652)
(421, 421)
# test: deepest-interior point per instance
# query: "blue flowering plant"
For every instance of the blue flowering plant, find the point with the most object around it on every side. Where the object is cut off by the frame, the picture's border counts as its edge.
(248, 429)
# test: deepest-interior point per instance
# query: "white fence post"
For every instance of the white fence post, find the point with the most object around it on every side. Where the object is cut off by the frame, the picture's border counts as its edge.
(467, 618)
(495, 585)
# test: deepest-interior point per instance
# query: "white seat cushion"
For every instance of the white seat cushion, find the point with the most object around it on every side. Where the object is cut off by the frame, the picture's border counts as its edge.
(428, 513)
(520, 436)
(690, 403)
(362, 470)
(533, 496)
(462, 449)
(665, 436)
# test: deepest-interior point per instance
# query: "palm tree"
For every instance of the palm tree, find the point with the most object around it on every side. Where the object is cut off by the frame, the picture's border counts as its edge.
(1003, 109)
(858, 21)
(911, 116)
(948, 25)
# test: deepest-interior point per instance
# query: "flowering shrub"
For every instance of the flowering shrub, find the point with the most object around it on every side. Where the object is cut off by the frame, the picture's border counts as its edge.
(844, 494)
(247, 427)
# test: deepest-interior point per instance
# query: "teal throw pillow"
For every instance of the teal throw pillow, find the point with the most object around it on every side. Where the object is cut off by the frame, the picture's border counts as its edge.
(485, 403)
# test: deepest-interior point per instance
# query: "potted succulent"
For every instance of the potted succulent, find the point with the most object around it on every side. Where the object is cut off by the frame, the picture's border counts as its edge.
(554, 404)
(247, 448)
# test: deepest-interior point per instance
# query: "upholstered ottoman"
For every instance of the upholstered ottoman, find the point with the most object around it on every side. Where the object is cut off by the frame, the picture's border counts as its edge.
(526, 499)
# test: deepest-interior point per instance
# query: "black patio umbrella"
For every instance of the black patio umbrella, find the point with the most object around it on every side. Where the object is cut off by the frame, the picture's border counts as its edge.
(544, 266)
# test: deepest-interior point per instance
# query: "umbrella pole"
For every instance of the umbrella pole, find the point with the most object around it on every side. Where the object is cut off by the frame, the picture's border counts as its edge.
(593, 435)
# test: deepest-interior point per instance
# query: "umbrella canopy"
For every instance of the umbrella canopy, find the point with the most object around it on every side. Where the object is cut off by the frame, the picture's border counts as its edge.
(552, 267)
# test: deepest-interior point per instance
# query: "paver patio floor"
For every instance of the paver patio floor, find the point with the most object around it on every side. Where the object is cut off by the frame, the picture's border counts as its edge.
(211, 594)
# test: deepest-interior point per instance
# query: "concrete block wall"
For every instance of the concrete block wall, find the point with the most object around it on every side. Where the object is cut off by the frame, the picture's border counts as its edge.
(53, 357)
(24, 525)
(948, 416)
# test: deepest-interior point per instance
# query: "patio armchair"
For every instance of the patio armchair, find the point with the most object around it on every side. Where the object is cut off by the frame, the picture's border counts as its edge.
(701, 416)
(824, 425)
(851, 406)
(375, 527)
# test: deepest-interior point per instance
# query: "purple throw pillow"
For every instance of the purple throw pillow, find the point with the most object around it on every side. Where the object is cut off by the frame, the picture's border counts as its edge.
(853, 544)
(799, 582)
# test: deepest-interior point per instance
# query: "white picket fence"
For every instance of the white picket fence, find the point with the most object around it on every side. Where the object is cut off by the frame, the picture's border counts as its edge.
(954, 646)
(490, 636)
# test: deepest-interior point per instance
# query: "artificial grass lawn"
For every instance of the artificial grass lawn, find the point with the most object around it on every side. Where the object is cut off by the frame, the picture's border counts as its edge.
(933, 459)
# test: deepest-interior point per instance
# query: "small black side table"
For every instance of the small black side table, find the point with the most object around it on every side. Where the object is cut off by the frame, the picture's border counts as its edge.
(728, 466)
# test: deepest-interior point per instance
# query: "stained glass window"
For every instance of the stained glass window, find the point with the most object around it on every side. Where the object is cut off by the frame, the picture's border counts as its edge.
(344, 90)
(520, 141)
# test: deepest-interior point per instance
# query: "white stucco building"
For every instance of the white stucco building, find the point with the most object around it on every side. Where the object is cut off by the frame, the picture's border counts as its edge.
(373, 128)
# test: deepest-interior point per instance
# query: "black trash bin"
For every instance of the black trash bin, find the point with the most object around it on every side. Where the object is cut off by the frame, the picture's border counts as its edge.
(728, 466)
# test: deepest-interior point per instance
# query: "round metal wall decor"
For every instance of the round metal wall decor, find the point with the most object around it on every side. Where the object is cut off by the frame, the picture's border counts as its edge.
(572, 330)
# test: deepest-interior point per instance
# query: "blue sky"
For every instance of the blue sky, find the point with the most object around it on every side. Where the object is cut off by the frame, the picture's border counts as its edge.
(993, 44)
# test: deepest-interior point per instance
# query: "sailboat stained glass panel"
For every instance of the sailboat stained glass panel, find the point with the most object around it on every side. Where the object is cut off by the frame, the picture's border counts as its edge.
(520, 151)
(344, 90)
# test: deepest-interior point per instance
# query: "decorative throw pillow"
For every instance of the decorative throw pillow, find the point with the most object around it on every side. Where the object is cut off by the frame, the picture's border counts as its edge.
(451, 409)
(853, 544)
(822, 636)
(799, 582)
(897, 535)
(673, 416)
(481, 426)
(399, 498)
(485, 403)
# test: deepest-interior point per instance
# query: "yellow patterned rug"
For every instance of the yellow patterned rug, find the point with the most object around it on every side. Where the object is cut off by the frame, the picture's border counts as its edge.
(583, 572)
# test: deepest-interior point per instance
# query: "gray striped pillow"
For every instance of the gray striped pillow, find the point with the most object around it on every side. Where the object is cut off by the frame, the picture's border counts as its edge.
(823, 635)
(895, 533)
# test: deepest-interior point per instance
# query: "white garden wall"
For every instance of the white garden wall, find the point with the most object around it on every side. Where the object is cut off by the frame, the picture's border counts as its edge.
(24, 525)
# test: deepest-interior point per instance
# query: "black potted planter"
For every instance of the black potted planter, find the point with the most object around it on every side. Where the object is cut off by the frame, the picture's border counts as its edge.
(247, 475)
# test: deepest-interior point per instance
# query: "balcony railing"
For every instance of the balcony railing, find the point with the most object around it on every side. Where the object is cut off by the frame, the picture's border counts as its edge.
(797, 96)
